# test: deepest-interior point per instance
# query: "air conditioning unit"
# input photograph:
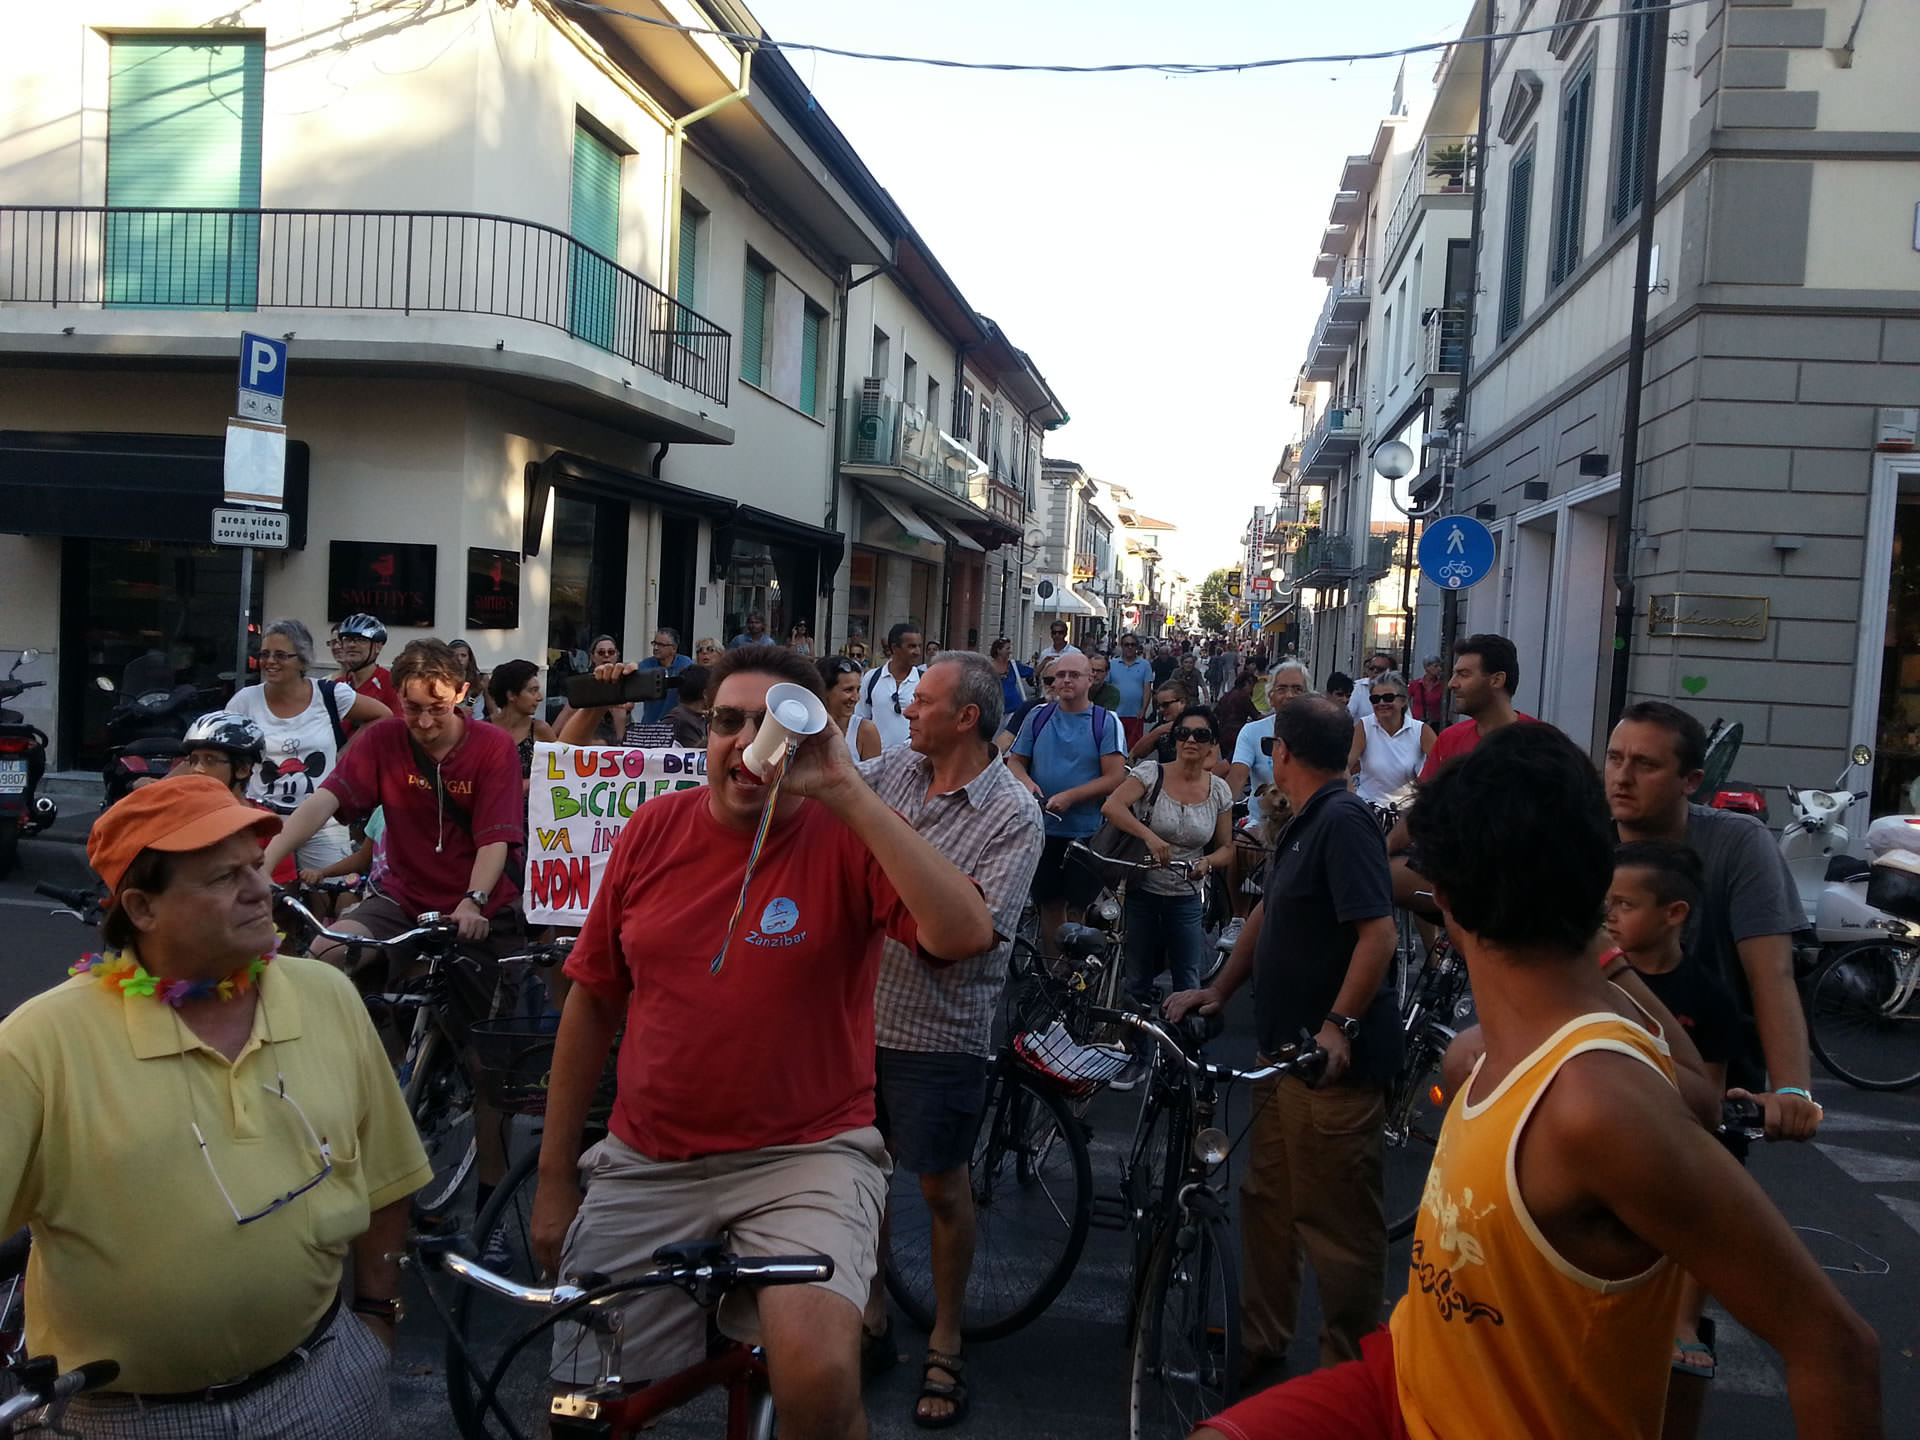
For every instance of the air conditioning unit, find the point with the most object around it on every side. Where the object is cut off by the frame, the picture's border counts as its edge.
(870, 427)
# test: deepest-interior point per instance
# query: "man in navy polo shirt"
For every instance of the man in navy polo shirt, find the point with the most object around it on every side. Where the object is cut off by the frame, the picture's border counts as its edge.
(1313, 1187)
(666, 656)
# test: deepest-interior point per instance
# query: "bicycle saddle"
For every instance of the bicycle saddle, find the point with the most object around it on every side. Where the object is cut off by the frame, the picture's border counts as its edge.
(1080, 941)
(691, 1252)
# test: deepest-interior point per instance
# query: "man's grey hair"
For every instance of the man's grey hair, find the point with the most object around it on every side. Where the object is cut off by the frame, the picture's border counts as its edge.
(1306, 676)
(1391, 677)
(1430, 660)
(671, 634)
(297, 635)
(977, 684)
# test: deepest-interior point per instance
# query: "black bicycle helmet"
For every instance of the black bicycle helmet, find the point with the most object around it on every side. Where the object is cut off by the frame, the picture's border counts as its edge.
(362, 626)
(238, 735)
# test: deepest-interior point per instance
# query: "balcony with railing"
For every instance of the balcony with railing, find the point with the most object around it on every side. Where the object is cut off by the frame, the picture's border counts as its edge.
(1444, 340)
(899, 449)
(1341, 319)
(1335, 437)
(1440, 166)
(1320, 562)
(372, 263)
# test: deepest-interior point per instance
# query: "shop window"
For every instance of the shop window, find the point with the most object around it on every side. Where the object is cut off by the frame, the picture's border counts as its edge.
(1896, 772)
(861, 584)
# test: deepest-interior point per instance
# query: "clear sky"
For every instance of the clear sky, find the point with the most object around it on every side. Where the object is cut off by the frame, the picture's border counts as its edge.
(1148, 240)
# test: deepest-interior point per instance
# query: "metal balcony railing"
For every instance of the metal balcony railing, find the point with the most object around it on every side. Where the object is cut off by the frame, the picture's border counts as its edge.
(1445, 338)
(1440, 165)
(1340, 318)
(1381, 550)
(1335, 434)
(404, 262)
(901, 437)
(1327, 559)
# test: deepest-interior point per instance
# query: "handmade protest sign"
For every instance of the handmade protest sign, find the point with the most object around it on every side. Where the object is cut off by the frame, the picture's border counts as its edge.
(580, 799)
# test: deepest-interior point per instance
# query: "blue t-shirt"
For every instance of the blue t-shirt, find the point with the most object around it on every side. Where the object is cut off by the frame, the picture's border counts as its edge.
(653, 710)
(1134, 682)
(1246, 751)
(1067, 753)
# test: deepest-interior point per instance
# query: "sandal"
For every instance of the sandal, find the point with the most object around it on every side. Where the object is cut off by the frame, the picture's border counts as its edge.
(877, 1355)
(954, 1392)
(1696, 1359)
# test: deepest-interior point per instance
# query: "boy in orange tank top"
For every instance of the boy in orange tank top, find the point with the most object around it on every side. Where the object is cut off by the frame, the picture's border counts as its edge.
(1571, 1184)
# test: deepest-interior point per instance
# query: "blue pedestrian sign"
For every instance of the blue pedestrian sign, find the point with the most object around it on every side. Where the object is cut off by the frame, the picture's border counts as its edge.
(263, 377)
(1456, 551)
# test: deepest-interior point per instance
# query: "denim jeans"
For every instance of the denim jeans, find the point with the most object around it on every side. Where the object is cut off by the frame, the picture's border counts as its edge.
(1163, 932)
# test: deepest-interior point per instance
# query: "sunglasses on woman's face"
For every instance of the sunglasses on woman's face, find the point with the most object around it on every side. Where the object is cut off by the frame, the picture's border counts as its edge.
(1194, 737)
(1385, 698)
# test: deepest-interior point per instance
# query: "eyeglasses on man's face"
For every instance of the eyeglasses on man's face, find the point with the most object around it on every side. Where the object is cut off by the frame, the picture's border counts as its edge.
(1287, 687)
(731, 719)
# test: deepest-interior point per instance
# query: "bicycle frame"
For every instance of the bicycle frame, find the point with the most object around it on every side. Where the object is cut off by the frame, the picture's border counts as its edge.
(738, 1370)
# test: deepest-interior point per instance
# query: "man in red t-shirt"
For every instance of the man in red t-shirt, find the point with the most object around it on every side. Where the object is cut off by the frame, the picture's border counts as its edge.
(356, 646)
(744, 1106)
(1486, 674)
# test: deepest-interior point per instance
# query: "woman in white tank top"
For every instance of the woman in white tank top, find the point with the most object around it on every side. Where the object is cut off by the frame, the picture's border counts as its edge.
(1389, 747)
(841, 678)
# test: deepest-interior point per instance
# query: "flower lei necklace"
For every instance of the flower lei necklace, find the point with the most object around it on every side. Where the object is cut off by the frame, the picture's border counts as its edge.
(116, 969)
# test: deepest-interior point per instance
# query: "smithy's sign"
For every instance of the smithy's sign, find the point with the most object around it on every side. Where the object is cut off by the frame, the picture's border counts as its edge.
(580, 799)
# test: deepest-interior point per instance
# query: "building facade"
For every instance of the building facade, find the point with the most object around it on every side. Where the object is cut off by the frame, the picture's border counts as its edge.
(570, 303)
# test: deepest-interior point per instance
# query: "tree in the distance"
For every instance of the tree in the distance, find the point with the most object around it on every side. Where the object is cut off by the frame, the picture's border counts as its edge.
(1215, 603)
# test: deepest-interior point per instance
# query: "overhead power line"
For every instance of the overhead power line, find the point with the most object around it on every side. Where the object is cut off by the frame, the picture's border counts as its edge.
(1163, 67)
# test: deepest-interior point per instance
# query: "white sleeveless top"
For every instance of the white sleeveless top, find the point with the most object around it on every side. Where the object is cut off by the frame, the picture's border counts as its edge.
(853, 737)
(1390, 763)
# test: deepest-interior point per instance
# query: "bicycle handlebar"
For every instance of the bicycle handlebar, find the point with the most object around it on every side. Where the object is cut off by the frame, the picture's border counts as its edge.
(1307, 1063)
(72, 899)
(1182, 868)
(433, 925)
(728, 1269)
(38, 1392)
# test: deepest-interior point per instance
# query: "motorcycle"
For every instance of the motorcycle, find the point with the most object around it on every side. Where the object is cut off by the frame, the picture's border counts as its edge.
(23, 765)
(144, 734)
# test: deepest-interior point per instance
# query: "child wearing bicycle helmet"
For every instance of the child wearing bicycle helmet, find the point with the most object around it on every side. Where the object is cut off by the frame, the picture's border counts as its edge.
(228, 747)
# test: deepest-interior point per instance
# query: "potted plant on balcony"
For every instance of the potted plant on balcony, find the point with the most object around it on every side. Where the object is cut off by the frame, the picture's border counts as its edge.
(1448, 165)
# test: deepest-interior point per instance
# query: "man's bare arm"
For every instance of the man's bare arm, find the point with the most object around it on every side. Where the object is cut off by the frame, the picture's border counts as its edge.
(1768, 962)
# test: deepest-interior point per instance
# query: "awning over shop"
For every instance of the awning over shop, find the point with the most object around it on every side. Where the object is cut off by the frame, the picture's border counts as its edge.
(953, 533)
(906, 517)
(1279, 615)
(1063, 600)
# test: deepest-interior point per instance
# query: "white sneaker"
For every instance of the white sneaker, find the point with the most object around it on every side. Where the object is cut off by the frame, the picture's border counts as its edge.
(1230, 936)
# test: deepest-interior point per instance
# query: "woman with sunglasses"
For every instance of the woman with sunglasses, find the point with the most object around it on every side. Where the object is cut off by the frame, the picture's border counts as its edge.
(800, 639)
(1389, 747)
(1016, 717)
(841, 677)
(1187, 814)
(1015, 678)
(707, 651)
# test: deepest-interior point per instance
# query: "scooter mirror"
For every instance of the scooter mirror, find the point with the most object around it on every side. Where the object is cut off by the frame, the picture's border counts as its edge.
(104, 683)
(1862, 755)
(27, 657)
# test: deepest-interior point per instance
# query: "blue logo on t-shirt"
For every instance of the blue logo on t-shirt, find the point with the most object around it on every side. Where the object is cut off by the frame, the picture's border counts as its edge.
(779, 917)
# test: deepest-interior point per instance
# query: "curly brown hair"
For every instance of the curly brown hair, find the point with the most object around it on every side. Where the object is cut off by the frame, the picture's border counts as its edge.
(774, 660)
(428, 660)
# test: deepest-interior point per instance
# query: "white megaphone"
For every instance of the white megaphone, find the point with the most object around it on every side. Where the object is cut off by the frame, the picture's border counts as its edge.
(793, 713)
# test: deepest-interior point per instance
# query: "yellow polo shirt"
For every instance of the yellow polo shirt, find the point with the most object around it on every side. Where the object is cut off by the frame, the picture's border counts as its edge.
(136, 1257)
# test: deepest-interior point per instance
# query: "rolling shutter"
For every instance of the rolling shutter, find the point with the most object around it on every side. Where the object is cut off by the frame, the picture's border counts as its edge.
(594, 221)
(183, 132)
(1576, 127)
(1513, 279)
(689, 277)
(1634, 95)
(753, 318)
(810, 361)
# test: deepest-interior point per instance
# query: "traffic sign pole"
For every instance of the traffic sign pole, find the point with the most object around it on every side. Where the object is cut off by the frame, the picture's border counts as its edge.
(256, 459)
(244, 643)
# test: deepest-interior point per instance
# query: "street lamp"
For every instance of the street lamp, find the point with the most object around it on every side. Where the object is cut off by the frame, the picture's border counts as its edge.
(1395, 460)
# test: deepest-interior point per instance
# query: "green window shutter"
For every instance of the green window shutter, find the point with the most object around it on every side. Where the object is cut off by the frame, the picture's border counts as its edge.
(753, 318)
(183, 132)
(1628, 182)
(594, 221)
(810, 362)
(1513, 279)
(1576, 126)
(689, 277)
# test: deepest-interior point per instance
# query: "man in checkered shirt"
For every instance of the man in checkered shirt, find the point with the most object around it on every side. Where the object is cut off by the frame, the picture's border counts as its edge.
(934, 1027)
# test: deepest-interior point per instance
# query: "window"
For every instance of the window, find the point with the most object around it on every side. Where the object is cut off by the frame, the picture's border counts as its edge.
(934, 417)
(594, 222)
(882, 354)
(983, 446)
(1405, 354)
(813, 330)
(757, 295)
(686, 288)
(963, 415)
(1636, 94)
(1570, 194)
(183, 132)
(1513, 278)
(909, 378)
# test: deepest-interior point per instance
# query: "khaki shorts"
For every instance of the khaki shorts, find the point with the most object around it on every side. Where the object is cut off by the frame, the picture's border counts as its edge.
(820, 1199)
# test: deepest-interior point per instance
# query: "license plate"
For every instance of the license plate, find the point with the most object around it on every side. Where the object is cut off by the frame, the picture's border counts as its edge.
(13, 776)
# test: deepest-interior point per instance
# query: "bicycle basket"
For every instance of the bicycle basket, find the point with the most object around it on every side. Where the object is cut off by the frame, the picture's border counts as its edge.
(1077, 1069)
(513, 1058)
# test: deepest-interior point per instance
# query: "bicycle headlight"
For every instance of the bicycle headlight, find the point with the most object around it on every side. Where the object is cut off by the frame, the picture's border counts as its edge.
(1108, 909)
(1210, 1147)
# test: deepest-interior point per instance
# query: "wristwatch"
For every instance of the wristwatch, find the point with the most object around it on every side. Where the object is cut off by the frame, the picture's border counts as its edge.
(1345, 1024)
(392, 1311)
(479, 898)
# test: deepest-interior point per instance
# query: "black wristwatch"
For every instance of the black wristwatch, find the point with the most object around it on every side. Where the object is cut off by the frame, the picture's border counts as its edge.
(1345, 1024)
(391, 1311)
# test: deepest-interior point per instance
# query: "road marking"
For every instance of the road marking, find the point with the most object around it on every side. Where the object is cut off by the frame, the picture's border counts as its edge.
(1907, 1210)
(1870, 1167)
(1744, 1365)
(53, 907)
(1839, 1122)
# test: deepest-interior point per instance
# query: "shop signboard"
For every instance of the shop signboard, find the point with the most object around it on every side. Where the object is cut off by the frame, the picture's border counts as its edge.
(394, 582)
(493, 589)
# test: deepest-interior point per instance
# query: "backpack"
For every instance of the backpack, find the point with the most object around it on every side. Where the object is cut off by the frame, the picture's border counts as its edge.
(1038, 721)
(873, 679)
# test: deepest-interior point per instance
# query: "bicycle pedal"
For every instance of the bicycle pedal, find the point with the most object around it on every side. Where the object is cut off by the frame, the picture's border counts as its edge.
(1110, 1212)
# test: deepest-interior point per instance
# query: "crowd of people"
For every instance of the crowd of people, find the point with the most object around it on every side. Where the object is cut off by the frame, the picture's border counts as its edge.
(888, 876)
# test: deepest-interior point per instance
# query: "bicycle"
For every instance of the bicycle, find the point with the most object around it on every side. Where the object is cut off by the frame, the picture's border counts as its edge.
(609, 1406)
(1863, 1011)
(1184, 1290)
(33, 1384)
(1030, 1172)
(445, 1001)
(1437, 997)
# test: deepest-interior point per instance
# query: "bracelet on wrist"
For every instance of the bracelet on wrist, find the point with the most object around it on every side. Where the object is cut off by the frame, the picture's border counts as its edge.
(1795, 1090)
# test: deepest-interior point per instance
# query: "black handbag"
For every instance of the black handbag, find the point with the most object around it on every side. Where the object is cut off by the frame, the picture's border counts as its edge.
(1110, 842)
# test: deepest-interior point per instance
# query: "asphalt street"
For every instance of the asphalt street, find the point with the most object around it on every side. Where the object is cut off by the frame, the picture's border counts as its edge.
(1854, 1196)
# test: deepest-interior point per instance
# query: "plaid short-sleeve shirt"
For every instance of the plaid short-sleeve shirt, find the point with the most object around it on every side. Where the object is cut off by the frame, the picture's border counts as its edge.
(991, 829)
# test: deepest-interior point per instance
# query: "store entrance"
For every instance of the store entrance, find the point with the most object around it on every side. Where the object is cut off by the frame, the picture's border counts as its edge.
(143, 615)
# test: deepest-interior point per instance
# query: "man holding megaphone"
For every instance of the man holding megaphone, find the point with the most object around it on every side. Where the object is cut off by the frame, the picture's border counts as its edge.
(738, 934)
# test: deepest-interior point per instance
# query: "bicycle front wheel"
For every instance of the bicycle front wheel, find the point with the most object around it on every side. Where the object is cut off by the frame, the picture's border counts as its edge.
(1186, 1344)
(484, 1327)
(1414, 1113)
(439, 1095)
(1863, 1015)
(1032, 1187)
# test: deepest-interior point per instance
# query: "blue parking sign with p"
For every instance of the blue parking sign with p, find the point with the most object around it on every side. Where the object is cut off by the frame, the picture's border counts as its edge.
(1456, 551)
(263, 365)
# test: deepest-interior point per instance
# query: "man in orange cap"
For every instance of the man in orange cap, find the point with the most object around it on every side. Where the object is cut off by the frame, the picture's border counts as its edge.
(199, 1133)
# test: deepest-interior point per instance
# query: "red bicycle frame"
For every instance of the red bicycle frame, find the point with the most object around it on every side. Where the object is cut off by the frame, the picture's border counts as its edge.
(738, 1369)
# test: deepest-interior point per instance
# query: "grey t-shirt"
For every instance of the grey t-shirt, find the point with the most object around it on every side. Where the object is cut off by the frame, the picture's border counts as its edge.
(1187, 828)
(1748, 891)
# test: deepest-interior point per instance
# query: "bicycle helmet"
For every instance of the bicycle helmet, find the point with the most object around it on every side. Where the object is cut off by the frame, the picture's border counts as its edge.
(238, 735)
(362, 626)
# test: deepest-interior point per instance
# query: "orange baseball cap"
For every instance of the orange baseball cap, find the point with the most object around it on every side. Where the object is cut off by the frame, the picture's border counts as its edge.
(180, 813)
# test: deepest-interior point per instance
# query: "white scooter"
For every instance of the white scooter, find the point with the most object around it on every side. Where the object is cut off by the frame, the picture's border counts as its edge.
(1832, 883)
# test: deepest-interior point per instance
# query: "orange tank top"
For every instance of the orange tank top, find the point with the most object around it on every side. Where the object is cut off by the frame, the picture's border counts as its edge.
(1499, 1336)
